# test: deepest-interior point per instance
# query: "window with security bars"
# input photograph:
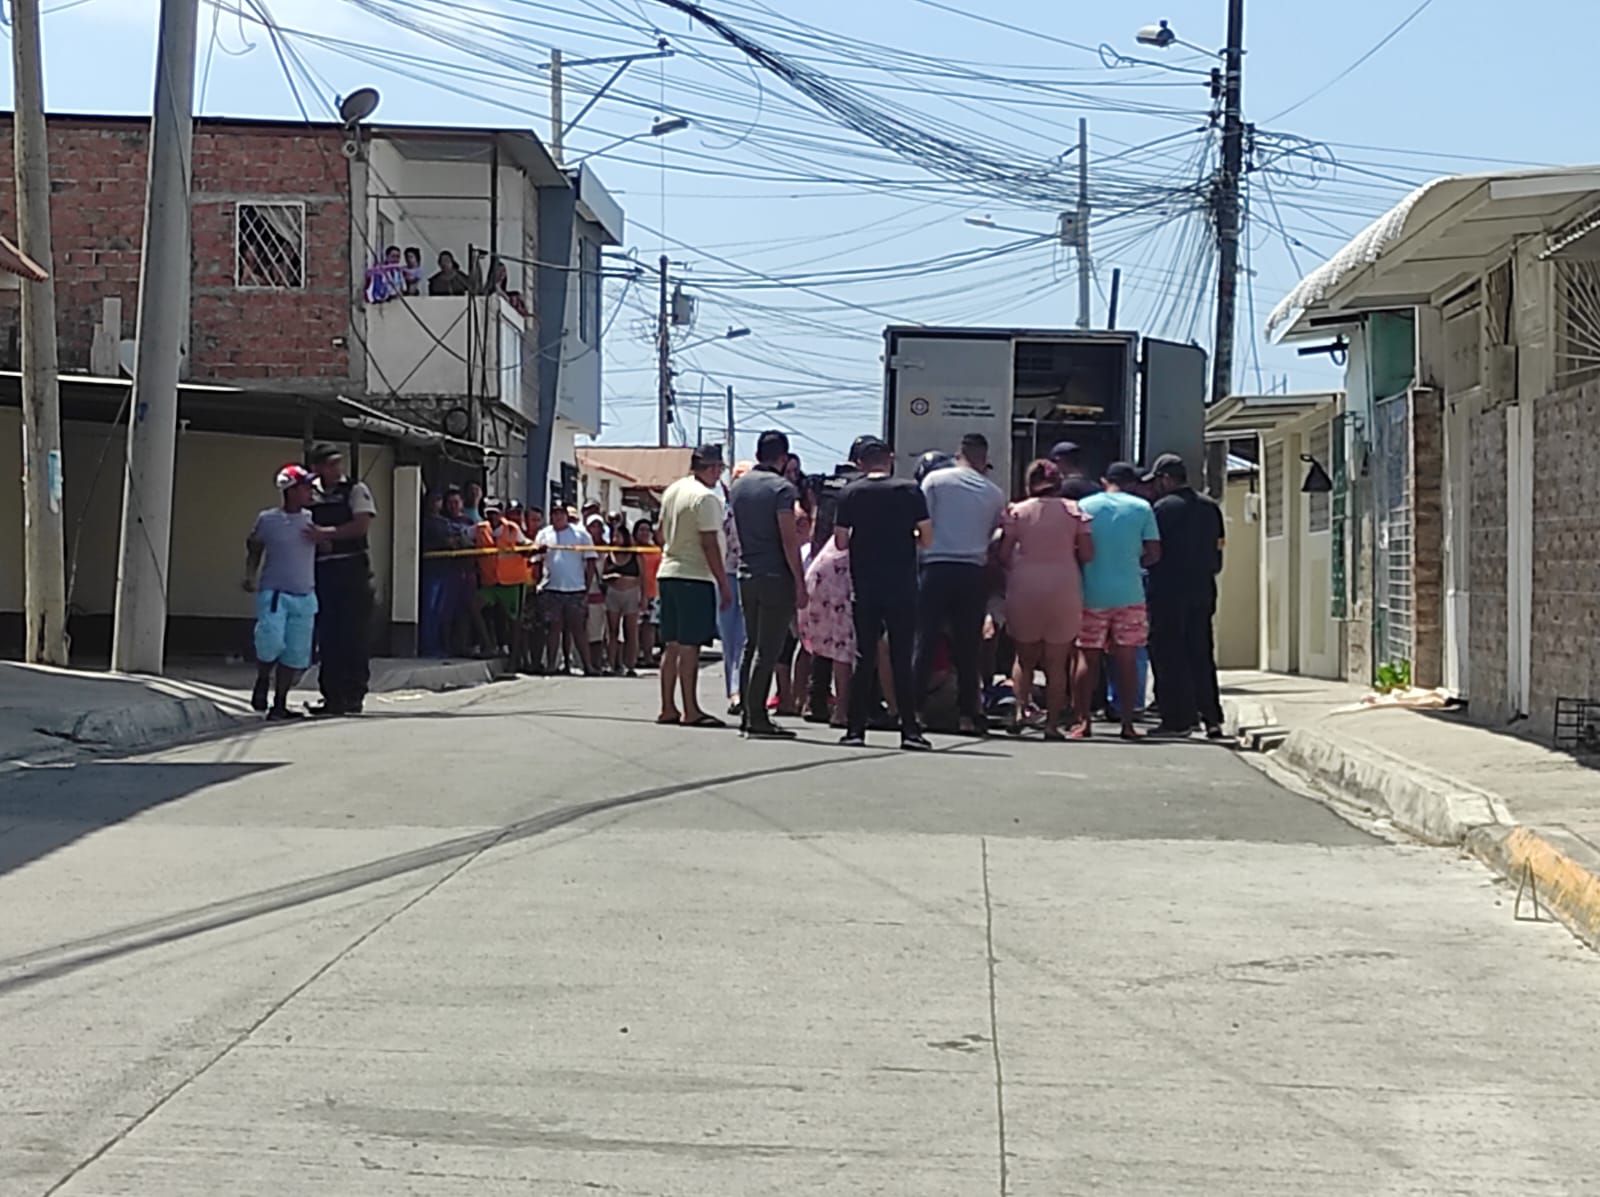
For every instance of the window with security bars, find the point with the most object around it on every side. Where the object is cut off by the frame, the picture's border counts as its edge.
(1319, 507)
(1577, 321)
(269, 244)
(1274, 483)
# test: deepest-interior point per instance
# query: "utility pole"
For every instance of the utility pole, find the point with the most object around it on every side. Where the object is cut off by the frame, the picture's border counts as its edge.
(556, 129)
(139, 641)
(733, 445)
(45, 579)
(1225, 203)
(664, 361)
(1085, 267)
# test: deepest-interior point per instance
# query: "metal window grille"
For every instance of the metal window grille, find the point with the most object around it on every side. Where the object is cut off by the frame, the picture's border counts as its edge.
(1577, 321)
(1393, 595)
(269, 243)
(1274, 482)
(1319, 508)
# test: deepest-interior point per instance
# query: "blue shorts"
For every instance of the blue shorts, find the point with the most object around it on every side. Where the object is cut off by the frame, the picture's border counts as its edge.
(285, 624)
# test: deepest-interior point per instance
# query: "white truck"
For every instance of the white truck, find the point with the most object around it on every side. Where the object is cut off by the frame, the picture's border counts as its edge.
(1119, 396)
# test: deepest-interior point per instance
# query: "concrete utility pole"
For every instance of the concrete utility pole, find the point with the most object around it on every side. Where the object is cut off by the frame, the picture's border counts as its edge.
(45, 576)
(139, 641)
(1085, 267)
(556, 128)
(1225, 203)
(733, 445)
(664, 361)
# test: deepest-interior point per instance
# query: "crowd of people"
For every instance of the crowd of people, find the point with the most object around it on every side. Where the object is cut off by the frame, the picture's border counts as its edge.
(571, 594)
(867, 600)
(859, 599)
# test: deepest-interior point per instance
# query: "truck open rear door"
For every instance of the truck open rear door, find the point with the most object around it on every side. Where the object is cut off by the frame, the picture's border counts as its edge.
(943, 387)
(1172, 407)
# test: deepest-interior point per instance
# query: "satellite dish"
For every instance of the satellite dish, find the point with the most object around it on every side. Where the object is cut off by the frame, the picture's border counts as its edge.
(358, 105)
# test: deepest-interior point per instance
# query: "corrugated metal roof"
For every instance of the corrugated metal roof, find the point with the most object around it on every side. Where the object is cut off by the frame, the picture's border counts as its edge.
(1440, 235)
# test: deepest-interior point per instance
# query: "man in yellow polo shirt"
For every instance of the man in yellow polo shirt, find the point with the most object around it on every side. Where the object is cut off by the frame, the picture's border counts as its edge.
(693, 582)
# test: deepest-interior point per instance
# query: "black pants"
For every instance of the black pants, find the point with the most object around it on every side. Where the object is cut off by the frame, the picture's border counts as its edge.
(875, 615)
(768, 611)
(1183, 657)
(344, 617)
(953, 597)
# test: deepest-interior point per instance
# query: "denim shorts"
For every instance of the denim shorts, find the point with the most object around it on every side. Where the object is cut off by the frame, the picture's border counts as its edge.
(285, 624)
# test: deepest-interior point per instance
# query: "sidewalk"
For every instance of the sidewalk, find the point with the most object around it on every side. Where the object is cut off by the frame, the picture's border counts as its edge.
(46, 713)
(1528, 811)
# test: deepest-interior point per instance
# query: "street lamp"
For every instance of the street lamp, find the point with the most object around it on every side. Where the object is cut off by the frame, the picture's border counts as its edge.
(733, 334)
(664, 126)
(1161, 37)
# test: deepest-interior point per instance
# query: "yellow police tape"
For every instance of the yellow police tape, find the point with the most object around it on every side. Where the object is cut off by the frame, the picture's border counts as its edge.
(440, 554)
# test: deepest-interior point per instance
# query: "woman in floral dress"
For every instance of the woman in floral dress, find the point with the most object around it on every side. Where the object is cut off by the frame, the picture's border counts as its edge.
(827, 625)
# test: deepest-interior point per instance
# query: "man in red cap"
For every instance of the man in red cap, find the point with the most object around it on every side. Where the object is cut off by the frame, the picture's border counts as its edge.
(280, 569)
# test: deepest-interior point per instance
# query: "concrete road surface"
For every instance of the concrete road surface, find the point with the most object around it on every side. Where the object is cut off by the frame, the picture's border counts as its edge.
(523, 941)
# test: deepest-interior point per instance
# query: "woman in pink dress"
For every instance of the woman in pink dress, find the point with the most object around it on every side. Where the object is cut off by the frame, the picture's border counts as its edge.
(827, 625)
(1045, 545)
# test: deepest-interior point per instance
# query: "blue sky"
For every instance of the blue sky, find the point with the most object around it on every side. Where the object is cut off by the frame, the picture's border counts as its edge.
(765, 190)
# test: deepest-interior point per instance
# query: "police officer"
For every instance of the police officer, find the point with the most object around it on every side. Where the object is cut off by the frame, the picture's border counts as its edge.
(344, 509)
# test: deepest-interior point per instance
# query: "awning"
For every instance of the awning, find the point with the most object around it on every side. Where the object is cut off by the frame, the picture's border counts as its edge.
(1440, 236)
(1252, 415)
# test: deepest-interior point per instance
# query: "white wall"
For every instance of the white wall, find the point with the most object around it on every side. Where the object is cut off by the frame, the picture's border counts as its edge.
(578, 395)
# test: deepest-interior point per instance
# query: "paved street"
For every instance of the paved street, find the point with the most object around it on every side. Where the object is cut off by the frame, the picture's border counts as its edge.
(521, 940)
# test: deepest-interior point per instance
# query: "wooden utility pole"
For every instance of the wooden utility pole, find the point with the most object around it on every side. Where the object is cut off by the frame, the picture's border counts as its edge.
(45, 575)
(139, 637)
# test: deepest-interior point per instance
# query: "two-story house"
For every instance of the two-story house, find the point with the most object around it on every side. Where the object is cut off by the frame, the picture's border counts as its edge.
(301, 328)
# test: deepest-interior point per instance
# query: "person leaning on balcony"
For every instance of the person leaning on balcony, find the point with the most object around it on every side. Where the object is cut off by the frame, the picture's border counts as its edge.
(450, 280)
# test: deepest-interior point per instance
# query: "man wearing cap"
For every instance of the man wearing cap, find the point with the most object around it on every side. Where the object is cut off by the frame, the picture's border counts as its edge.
(280, 570)
(344, 510)
(1075, 481)
(1183, 601)
(693, 584)
(1126, 541)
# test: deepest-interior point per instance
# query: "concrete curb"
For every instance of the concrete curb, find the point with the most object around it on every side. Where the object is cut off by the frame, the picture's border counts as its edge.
(1561, 869)
(143, 725)
(163, 721)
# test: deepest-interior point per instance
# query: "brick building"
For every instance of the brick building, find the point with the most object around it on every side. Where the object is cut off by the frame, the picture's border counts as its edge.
(496, 378)
(1470, 314)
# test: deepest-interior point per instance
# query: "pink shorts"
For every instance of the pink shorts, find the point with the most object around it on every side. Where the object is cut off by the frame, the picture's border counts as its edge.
(1114, 627)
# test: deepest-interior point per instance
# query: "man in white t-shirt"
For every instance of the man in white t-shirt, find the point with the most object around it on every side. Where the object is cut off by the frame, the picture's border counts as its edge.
(693, 582)
(570, 565)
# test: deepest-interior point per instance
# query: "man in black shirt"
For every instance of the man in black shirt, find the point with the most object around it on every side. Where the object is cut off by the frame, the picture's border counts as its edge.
(1075, 481)
(1183, 601)
(881, 520)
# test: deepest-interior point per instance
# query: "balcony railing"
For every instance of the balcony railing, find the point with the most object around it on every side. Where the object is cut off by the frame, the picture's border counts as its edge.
(451, 347)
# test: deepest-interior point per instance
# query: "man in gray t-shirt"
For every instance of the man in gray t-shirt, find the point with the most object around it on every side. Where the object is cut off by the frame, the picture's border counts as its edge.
(281, 570)
(772, 583)
(965, 508)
